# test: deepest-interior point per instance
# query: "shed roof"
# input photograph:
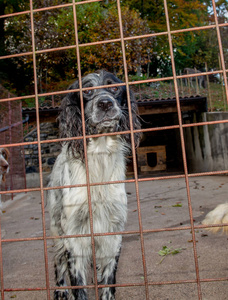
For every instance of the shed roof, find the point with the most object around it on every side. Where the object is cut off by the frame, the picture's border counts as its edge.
(146, 107)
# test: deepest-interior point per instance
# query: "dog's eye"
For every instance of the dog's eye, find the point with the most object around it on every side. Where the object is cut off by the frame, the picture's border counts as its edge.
(113, 89)
(88, 92)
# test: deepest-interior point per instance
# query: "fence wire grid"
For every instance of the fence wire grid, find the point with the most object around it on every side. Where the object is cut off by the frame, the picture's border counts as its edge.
(145, 283)
(11, 132)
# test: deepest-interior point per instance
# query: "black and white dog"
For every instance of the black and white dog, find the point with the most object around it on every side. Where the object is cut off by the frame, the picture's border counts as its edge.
(106, 110)
(4, 163)
(4, 167)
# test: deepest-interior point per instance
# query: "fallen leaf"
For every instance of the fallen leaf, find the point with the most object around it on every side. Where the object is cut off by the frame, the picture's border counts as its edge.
(204, 234)
(167, 251)
(177, 205)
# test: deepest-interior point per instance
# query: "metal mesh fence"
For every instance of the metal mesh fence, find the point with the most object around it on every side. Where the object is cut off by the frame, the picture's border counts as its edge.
(12, 132)
(143, 231)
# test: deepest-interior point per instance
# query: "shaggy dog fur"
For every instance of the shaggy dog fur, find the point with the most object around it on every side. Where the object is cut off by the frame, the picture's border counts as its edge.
(106, 110)
(217, 216)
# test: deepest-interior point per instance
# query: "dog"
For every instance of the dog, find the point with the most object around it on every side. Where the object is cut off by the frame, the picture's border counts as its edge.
(4, 166)
(201, 79)
(105, 111)
(217, 216)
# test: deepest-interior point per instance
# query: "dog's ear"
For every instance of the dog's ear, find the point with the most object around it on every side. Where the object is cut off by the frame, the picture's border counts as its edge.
(125, 122)
(3, 177)
(6, 153)
(70, 121)
(135, 119)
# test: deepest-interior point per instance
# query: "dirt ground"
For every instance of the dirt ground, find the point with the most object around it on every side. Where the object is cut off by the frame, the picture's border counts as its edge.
(163, 204)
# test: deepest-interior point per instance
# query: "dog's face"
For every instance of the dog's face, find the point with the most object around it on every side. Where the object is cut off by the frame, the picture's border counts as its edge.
(105, 109)
(4, 165)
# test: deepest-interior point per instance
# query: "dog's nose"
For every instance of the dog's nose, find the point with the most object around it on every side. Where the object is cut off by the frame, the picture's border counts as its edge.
(4, 166)
(105, 104)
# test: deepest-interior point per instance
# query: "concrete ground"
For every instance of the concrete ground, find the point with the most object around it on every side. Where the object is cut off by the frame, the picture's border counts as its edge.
(163, 204)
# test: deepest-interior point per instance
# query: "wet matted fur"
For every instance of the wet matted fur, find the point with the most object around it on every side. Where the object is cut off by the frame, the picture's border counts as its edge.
(106, 110)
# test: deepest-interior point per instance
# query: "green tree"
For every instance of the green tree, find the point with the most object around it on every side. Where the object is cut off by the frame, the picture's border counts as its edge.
(55, 29)
(99, 21)
(188, 48)
(6, 7)
(109, 55)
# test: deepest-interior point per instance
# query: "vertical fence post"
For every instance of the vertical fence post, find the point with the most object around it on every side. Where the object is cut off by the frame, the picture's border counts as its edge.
(221, 82)
(22, 147)
(208, 88)
(197, 84)
(52, 101)
(189, 85)
(182, 90)
(11, 152)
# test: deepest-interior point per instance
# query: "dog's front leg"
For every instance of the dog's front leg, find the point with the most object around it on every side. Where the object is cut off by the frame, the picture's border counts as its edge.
(77, 274)
(109, 277)
(60, 277)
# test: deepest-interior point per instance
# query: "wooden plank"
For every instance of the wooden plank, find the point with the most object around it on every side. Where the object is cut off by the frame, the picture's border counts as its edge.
(160, 151)
(147, 149)
(152, 169)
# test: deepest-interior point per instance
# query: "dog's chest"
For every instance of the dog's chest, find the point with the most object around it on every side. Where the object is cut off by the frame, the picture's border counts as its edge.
(106, 160)
(106, 163)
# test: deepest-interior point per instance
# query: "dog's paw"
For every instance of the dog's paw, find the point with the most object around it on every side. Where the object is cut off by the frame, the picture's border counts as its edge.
(61, 295)
(107, 295)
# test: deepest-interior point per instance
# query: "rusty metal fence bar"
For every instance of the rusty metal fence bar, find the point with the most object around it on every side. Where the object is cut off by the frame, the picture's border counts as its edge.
(39, 151)
(183, 152)
(136, 180)
(133, 152)
(85, 149)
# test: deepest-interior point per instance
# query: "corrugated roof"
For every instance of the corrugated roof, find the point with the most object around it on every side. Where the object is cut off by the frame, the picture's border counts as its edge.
(166, 100)
(42, 108)
(140, 102)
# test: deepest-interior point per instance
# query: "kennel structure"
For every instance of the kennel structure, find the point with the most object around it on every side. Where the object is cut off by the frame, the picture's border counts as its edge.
(151, 156)
(163, 148)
